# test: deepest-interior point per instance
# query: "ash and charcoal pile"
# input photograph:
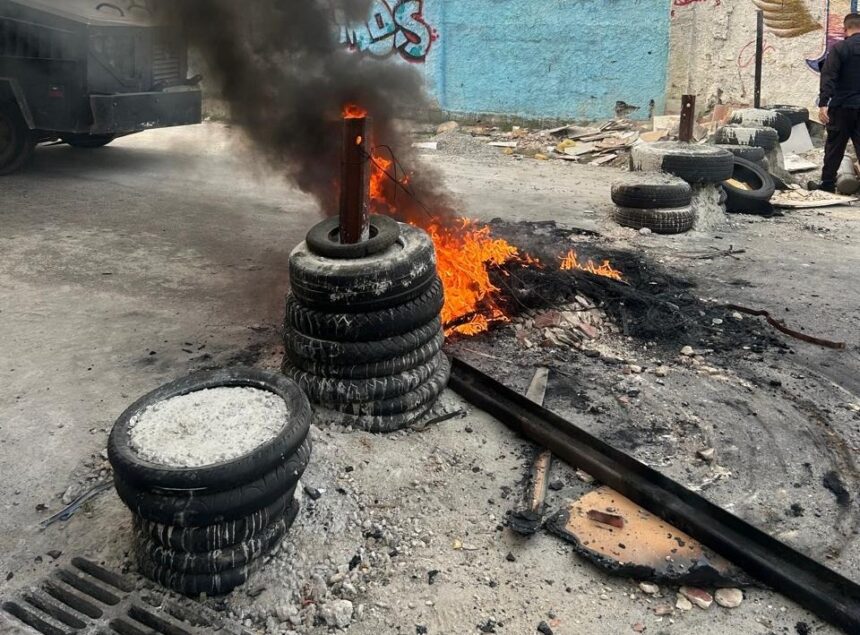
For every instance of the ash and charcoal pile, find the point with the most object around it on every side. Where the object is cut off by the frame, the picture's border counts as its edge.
(553, 306)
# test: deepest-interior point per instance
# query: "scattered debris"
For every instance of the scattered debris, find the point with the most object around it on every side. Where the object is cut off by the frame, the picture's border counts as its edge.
(67, 512)
(612, 520)
(784, 329)
(795, 197)
(683, 604)
(544, 629)
(649, 588)
(729, 598)
(644, 547)
(699, 597)
(833, 482)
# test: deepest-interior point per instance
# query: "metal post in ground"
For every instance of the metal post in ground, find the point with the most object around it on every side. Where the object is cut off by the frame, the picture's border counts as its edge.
(355, 181)
(688, 118)
(759, 56)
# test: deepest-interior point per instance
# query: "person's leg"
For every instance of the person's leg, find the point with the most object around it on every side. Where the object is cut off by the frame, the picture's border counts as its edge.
(855, 131)
(839, 131)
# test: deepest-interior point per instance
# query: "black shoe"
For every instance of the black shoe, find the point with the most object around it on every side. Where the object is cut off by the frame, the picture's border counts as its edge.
(824, 187)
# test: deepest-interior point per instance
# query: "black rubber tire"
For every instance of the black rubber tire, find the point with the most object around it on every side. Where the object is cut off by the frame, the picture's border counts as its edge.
(148, 476)
(213, 537)
(194, 584)
(213, 562)
(410, 360)
(324, 239)
(758, 117)
(735, 135)
(328, 390)
(401, 273)
(795, 114)
(755, 201)
(374, 424)
(648, 190)
(16, 139)
(363, 327)
(345, 353)
(424, 395)
(200, 510)
(88, 141)
(750, 153)
(694, 163)
(660, 221)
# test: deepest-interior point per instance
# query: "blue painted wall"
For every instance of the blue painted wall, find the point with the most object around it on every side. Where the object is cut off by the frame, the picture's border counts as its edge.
(530, 58)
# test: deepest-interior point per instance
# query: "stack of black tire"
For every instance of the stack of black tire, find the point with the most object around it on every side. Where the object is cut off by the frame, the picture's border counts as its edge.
(363, 334)
(647, 198)
(653, 200)
(205, 529)
(752, 135)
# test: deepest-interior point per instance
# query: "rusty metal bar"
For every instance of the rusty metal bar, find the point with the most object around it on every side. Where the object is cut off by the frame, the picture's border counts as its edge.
(688, 118)
(759, 57)
(822, 591)
(355, 181)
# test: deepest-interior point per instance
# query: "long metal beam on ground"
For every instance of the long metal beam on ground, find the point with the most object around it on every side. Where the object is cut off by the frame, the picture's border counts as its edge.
(822, 591)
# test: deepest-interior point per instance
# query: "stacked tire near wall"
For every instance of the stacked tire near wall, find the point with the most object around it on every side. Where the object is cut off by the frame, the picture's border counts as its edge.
(363, 334)
(701, 167)
(653, 200)
(205, 529)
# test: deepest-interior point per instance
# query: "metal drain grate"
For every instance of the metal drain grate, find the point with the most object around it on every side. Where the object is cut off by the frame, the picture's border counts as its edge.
(87, 599)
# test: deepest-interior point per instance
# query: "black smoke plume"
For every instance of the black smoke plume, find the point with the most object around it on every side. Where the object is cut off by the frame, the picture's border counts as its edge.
(285, 77)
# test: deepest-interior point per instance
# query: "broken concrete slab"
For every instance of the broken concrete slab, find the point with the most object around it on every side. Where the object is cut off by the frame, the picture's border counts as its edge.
(641, 546)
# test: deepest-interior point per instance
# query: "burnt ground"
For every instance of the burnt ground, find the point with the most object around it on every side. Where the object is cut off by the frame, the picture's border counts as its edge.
(167, 253)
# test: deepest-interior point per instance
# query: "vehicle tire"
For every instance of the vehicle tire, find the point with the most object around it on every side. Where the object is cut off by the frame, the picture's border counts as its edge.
(399, 274)
(759, 117)
(88, 141)
(16, 140)
(324, 238)
(218, 560)
(424, 395)
(795, 114)
(754, 201)
(694, 163)
(660, 221)
(329, 390)
(148, 476)
(648, 190)
(213, 537)
(345, 353)
(750, 153)
(215, 585)
(410, 360)
(373, 325)
(735, 135)
(372, 423)
(199, 510)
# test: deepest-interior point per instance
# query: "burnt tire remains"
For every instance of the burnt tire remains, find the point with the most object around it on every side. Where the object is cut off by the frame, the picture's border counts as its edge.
(750, 153)
(645, 190)
(364, 335)
(204, 529)
(795, 114)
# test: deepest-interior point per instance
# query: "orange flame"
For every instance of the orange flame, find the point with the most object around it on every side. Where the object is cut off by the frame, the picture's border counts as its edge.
(605, 269)
(466, 252)
(354, 111)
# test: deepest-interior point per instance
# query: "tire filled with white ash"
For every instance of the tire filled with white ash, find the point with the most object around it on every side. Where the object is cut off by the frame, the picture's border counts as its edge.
(210, 467)
(363, 332)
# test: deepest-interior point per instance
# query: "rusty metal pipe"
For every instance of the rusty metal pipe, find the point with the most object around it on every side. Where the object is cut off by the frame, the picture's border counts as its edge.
(355, 181)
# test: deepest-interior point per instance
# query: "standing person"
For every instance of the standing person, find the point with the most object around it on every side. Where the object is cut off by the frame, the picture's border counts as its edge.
(839, 100)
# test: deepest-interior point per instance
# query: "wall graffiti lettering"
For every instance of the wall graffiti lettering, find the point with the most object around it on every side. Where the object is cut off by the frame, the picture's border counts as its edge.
(394, 27)
(834, 13)
(787, 18)
(680, 4)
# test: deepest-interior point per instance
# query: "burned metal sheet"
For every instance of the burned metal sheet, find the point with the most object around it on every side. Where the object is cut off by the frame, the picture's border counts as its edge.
(626, 540)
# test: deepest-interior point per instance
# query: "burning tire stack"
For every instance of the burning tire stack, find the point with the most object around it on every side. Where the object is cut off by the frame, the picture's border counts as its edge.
(211, 495)
(363, 333)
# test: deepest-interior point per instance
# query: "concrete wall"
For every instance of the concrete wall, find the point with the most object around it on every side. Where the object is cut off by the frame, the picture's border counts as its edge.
(713, 49)
(550, 59)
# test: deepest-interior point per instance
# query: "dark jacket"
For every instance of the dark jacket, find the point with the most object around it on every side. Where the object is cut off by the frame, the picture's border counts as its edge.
(840, 76)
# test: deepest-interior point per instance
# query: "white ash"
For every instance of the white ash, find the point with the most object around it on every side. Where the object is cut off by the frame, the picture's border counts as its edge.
(648, 157)
(754, 116)
(207, 426)
(741, 135)
(710, 213)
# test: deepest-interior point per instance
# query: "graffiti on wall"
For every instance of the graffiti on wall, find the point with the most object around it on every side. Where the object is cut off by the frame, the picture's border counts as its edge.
(788, 18)
(680, 4)
(834, 31)
(394, 27)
